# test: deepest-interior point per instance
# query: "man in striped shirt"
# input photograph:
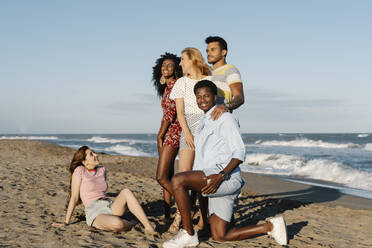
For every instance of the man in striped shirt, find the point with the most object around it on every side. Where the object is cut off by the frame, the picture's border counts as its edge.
(230, 95)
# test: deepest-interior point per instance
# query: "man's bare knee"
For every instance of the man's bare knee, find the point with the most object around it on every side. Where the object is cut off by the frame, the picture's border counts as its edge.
(218, 237)
(177, 181)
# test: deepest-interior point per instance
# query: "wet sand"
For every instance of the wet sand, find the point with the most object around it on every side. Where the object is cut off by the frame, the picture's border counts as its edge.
(34, 191)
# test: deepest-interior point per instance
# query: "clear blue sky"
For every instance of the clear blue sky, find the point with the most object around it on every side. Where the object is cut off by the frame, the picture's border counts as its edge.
(86, 66)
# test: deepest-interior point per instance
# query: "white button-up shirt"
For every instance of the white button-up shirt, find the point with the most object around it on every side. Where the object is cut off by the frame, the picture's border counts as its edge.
(217, 142)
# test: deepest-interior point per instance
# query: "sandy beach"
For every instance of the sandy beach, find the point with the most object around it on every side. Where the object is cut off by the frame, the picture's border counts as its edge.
(34, 192)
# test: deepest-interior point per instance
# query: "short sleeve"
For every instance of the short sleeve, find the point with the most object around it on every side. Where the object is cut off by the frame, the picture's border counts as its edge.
(178, 90)
(233, 75)
(78, 172)
(104, 172)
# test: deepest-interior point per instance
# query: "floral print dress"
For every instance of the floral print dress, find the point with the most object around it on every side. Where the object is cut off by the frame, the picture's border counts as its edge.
(172, 136)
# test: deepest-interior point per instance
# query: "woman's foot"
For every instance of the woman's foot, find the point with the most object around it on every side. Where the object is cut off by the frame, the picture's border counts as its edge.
(175, 226)
(150, 231)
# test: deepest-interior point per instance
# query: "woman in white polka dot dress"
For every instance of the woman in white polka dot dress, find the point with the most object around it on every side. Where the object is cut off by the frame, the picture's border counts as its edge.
(188, 113)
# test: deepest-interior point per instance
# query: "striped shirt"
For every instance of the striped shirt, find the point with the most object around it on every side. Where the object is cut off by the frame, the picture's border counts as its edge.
(225, 76)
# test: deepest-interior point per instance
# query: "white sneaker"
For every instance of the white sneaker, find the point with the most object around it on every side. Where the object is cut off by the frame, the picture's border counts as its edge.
(279, 232)
(182, 239)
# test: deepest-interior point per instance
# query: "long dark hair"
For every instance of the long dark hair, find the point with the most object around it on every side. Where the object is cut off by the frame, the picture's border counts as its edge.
(77, 161)
(156, 73)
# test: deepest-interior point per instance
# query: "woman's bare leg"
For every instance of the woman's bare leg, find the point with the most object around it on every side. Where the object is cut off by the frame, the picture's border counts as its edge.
(167, 204)
(186, 160)
(112, 223)
(127, 198)
(165, 166)
(164, 174)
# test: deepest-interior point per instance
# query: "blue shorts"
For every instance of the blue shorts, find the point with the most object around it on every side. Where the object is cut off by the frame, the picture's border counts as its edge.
(221, 202)
(96, 208)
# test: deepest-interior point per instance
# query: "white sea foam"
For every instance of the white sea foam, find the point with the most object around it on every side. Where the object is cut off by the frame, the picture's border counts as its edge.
(72, 146)
(98, 139)
(258, 142)
(307, 143)
(363, 135)
(30, 137)
(368, 146)
(126, 150)
(288, 165)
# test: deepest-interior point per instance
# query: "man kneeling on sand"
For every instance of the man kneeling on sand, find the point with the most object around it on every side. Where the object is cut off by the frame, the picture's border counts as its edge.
(219, 150)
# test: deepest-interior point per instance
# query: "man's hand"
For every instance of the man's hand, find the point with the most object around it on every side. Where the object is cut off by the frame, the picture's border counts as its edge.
(218, 111)
(214, 182)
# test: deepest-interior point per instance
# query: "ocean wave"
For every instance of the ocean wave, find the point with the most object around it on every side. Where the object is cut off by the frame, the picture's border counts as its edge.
(321, 169)
(126, 150)
(363, 135)
(72, 146)
(368, 146)
(307, 143)
(98, 139)
(30, 137)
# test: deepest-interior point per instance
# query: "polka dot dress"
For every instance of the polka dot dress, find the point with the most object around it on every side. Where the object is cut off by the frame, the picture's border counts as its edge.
(184, 88)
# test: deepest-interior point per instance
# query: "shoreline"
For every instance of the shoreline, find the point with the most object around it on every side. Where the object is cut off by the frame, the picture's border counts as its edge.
(34, 189)
(344, 174)
(277, 187)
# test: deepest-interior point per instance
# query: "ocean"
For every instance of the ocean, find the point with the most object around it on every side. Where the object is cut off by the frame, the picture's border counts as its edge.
(339, 161)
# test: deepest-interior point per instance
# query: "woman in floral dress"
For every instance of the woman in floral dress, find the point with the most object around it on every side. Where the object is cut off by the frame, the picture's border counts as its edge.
(165, 73)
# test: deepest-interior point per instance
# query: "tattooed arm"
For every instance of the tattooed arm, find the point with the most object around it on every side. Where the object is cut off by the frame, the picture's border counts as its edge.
(238, 99)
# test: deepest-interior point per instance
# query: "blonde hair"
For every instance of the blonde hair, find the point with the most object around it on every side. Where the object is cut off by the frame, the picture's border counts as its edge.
(197, 60)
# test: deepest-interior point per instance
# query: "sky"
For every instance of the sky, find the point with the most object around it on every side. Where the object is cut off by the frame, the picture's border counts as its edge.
(86, 66)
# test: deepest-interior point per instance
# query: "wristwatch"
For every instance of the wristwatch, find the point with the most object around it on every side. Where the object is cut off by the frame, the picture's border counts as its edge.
(227, 105)
(225, 176)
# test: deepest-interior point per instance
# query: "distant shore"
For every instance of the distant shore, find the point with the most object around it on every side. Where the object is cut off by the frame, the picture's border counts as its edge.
(34, 189)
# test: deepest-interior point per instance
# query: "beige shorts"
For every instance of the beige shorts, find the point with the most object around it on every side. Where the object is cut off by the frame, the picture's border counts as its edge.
(96, 208)
(221, 202)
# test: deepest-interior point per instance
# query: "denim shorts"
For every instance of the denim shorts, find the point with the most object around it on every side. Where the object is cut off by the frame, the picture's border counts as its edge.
(96, 208)
(221, 202)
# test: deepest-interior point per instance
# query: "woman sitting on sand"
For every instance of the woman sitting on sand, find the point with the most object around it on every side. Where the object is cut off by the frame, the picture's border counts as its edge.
(88, 182)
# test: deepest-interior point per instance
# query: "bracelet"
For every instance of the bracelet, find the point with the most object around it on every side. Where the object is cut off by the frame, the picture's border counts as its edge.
(225, 175)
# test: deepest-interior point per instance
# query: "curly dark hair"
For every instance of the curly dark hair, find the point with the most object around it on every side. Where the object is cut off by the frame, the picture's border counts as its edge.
(156, 73)
(207, 84)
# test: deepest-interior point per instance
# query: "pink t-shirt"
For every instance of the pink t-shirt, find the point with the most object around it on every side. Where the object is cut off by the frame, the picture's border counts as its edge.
(93, 184)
